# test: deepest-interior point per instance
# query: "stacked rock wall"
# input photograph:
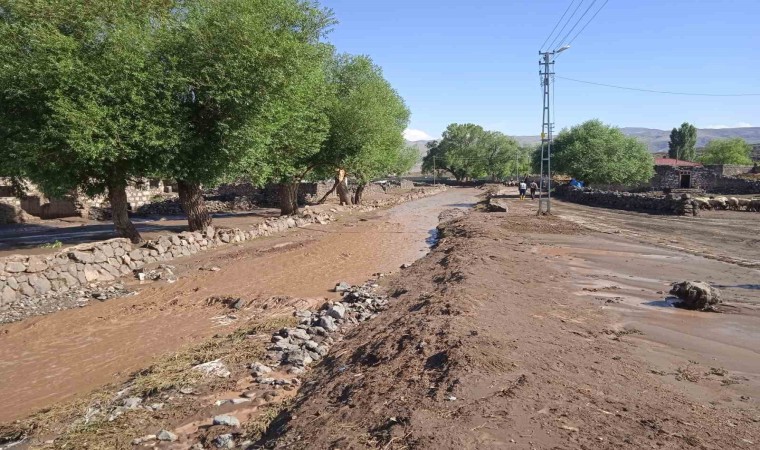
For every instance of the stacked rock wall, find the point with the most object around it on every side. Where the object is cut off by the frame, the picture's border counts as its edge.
(620, 200)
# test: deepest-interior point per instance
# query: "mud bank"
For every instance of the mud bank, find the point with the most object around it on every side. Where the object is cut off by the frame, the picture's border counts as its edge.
(484, 347)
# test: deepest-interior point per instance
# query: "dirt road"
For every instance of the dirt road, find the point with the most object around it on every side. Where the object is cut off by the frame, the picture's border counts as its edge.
(503, 337)
(52, 358)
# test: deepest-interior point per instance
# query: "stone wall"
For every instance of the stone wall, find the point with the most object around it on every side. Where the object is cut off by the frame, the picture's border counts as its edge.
(26, 277)
(651, 203)
(717, 179)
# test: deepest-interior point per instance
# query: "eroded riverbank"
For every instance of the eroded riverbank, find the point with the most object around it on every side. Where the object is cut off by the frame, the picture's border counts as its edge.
(48, 359)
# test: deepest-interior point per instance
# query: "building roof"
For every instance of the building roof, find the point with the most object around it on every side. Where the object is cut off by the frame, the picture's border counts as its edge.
(675, 162)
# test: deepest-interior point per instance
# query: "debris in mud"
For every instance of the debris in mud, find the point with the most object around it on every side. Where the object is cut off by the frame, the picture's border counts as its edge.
(497, 205)
(162, 272)
(213, 368)
(696, 295)
(451, 214)
(229, 302)
(210, 268)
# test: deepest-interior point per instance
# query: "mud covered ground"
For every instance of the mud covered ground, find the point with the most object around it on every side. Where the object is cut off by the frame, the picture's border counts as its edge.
(514, 332)
(493, 343)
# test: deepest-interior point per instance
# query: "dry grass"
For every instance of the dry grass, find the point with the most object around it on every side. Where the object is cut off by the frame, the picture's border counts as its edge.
(172, 372)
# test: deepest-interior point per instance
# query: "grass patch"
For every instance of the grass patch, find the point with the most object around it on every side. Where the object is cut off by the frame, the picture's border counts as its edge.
(52, 245)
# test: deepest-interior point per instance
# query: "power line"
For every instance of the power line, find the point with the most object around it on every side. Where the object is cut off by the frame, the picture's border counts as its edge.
(590, 20)
(566, 23)
(557, 24)
(656, 91)
(577, 22)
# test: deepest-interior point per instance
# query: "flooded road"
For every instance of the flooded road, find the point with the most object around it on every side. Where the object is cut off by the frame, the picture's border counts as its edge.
(631, 280)
(52, 358)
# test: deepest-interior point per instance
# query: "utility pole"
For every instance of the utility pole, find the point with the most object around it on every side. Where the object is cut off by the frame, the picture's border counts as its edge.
(546, 72)
(433, 170)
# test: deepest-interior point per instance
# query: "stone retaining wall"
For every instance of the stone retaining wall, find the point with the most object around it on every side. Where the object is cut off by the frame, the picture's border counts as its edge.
(650, 203)
(25, 281)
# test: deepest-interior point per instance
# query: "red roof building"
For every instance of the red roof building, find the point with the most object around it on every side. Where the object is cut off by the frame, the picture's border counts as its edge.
(675, 162)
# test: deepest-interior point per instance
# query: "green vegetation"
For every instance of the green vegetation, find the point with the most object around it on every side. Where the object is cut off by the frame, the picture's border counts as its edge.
(95, 94)
(468, 151)
(599, 153)
(682, 142)
(726, 151)
(52, 245)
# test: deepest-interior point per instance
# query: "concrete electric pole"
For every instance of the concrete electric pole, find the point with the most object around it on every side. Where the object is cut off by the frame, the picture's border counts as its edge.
(547, 129)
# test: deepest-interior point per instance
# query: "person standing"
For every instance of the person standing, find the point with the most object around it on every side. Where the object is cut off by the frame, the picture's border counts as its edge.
(523, 187)
(533, 187)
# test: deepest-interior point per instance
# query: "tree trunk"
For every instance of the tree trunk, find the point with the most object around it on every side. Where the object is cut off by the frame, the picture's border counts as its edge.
(191, 199)
(289, 198)
(117, 196)
(324, 197)
(345, 198)
(358, 194)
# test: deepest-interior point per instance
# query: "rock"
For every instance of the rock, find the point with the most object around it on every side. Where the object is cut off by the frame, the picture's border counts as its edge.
(328, 323)
(298, 333)
(214, 368)
(696, 295)
(497, 205)
(146, 438)
(337, 311)
(298, 358)
(41, 285)
(405, 266)
(259, 369)
(15, 267)
(224, 441)
(132, 402)
(165, 435)
(91, 274)
(35, 265)
(342, 287)
(226, 420)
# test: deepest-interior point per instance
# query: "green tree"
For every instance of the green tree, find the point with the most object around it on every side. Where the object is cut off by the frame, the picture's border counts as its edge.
(682, 142)
(84, 104)
(367, 118)
(501, 155)
(461, 152)
(240, 69)
(599, 153)
(727, 151)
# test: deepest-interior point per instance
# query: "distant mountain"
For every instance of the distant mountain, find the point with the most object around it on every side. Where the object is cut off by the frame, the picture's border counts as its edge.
(655, 140)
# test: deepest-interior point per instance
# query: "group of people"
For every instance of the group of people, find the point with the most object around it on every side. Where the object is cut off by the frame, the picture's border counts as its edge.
(523, 188)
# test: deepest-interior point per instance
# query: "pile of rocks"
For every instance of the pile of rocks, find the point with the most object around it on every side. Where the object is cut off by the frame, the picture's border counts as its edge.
(685, 206)
(59, 301)
(297, 347)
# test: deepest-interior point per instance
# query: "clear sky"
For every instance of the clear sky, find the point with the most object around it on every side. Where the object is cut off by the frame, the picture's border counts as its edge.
(476, 61)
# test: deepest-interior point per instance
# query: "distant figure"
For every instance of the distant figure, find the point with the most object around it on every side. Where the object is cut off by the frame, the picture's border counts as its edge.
(533, 187)
(523, 188)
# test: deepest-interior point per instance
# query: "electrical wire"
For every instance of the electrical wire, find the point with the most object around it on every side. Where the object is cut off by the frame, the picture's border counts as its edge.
(564, 39)
(557, 24)
(656, 91)
(566, 23)
(590, 20)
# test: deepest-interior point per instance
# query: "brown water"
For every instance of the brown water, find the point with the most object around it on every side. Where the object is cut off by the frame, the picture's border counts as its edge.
(48, 359)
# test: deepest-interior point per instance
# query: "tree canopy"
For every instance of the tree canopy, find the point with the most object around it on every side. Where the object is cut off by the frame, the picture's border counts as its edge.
(726, 151)
(470, 151)
(682, 142)
(599, 153)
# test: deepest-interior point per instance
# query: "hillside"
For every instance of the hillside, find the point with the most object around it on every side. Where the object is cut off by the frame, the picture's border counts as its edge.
(656, 140)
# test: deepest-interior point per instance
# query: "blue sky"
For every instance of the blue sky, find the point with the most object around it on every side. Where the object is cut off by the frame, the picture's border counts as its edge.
(476, 61)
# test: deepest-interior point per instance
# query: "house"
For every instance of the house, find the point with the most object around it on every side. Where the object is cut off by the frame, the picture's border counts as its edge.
(675, 173)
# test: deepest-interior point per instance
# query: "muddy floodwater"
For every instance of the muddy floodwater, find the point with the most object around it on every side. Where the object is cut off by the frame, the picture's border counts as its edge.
(48, 359)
